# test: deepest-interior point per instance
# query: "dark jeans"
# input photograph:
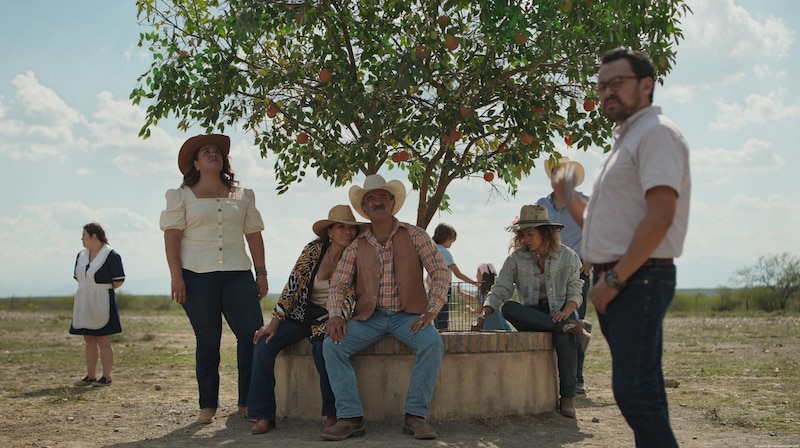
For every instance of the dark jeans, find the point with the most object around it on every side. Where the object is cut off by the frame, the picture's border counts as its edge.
(442, 320)
(581, 315)
(210, 296)
(530, 318)
(632, 326)
(261, 402)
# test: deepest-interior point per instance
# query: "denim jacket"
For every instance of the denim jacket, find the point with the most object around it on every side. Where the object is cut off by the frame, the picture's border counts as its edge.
(561, 276)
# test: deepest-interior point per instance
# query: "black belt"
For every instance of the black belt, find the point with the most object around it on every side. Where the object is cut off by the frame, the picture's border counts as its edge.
(650, 262)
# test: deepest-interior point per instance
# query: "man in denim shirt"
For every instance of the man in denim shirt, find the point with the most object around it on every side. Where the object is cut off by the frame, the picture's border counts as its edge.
(571, 236)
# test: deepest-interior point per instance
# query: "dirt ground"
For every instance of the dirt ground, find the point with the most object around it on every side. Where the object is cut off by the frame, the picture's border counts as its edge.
(155, 406)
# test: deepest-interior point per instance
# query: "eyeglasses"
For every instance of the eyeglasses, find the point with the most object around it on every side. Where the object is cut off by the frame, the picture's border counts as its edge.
(614, 84)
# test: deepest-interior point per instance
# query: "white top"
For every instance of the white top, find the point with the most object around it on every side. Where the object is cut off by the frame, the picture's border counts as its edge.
(649, 151)
(213, 228)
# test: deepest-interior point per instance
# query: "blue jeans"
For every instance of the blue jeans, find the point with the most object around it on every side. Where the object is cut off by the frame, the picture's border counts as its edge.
(427, 343)
(210, 296)
(261, 401)
(582, 314)
(530, 318)
(632, 326)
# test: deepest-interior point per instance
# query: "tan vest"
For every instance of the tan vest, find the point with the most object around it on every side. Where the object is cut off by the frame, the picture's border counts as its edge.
(407, 271)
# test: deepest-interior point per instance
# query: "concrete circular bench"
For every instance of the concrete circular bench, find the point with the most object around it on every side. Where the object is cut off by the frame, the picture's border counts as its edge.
(482, 374)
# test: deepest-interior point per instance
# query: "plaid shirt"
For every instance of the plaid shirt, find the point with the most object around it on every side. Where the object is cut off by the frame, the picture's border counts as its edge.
(388, 297)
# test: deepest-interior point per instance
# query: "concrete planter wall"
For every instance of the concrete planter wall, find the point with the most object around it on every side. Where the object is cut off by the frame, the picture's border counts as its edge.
(487, 373)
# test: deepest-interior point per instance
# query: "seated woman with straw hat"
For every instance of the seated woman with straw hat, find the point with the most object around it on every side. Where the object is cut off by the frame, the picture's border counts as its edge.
(546, 275)
(301, 313)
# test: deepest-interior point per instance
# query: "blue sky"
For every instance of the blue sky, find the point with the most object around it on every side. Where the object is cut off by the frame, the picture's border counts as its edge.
(71, 155)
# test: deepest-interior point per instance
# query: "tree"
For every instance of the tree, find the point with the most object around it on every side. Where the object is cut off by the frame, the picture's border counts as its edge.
(779, 274)
(441, 89)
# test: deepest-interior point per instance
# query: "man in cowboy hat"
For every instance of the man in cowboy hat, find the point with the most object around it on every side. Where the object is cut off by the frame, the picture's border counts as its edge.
(571, 234)
(386, 262)
(633, 226)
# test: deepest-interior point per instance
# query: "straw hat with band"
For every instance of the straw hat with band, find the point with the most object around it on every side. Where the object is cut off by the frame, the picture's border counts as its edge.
(339, 214)
(377, 182)
(189, 148)
(533, 216)
(564, 161)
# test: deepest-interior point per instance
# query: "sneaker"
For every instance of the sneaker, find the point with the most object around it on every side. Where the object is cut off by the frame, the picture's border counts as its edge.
(580, 388)
(103, 381)
(86, 381)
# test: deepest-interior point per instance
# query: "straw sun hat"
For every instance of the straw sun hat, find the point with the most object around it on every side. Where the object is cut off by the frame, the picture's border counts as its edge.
(339, 214)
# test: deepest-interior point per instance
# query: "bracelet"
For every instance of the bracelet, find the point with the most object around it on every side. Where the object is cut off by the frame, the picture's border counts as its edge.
(481, 318)
(432, 310)
(261, 270)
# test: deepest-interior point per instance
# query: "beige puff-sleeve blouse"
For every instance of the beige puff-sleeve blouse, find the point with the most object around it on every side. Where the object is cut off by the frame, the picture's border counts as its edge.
(213, 229)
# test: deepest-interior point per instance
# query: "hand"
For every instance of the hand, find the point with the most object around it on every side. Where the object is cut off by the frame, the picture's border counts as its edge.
(478, 325)
(586, 268)
(262, 285)
(558, 316)
(602, 295)
(268, 330)
(423, 321)
(336, 329)
(178, 290)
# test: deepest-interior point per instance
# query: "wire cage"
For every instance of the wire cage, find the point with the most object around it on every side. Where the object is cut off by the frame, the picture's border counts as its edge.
(461, 310)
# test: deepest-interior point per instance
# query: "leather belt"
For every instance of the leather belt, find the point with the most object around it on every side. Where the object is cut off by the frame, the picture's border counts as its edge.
(650, 262)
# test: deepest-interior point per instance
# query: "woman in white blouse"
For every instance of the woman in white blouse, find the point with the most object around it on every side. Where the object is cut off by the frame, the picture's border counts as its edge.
(205, 224)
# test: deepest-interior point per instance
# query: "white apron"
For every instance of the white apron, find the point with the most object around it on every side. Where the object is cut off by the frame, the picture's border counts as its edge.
(91, 309)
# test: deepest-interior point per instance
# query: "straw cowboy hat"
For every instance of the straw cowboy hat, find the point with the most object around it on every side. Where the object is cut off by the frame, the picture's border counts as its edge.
(377, 182)
(564, 161)
(339, 214)
(190, 147)
(533, 216)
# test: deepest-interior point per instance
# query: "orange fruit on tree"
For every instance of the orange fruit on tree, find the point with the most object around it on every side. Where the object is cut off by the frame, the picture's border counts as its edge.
(396, 157)
(325, 75)
(450, 42)
(443, 20)
(465, 112)
(526, 138)
(589, 105)
(488, 176)
(568, 140)
(520, 38)
(404, 156)
(422, 52)
(302, 138)
(273, 110)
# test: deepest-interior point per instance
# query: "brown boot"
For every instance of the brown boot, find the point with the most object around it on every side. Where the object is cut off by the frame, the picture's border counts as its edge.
(566, 407)
(206, 415)
(577, 329)
(344, 428)
(262, 426)
(329, 421)
(417, 426)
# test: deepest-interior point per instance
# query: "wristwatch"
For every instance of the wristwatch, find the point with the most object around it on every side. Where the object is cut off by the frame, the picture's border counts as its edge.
(612, 279)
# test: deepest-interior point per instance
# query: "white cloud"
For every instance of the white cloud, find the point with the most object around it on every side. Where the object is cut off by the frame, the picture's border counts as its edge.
(720, 27)
(767, 72)
(756, 109)
(37, 124)
(718, 166)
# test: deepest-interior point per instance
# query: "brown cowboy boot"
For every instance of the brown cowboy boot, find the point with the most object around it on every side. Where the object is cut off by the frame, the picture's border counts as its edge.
(344, 428)
(577, 329)
(417, 426)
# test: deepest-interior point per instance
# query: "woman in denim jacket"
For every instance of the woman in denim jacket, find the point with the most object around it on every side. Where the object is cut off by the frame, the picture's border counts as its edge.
(547, 279)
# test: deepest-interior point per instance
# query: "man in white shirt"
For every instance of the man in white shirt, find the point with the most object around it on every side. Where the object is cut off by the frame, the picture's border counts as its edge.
(634, 225)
